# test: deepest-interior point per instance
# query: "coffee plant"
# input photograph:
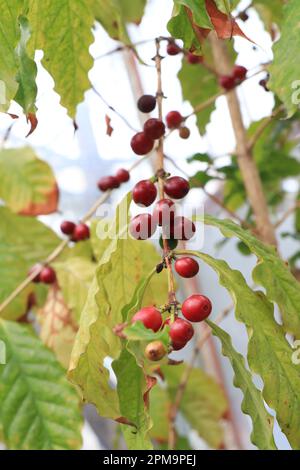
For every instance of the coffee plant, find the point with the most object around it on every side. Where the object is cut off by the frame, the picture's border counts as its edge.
(87, 318)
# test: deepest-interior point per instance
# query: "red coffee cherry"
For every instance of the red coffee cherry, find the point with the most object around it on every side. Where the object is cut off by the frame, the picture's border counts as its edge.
(155, 351)
(196, 308)
(186, 267)
(141, 144)
(142, 227)
(173, 48)
(146, 103)
(47, 275)
(183, 228)
(164, 212)
(154, 128)
(122, 175)
(176, 187)
(108, 182)
(227, 82)
(184, 132)
(144, 193)
(193, 58)
(67, 227)
(181, 331)
(173, 119)
(81, 232)
(150, 317)
(264, 83)
(37, 279)
(239, 72)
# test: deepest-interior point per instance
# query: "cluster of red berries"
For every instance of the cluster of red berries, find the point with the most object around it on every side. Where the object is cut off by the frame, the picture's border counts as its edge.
(47, 275)
(228, 82)
(174, 227)
(195, 308)
(76, 232)
(174, 49)
(113, 182)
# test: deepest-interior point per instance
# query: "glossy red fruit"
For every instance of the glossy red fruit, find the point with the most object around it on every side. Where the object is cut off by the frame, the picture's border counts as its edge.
(146, 103)
(181, 331)
(173, 49)
(142, 227)
(174, 119)
(177, 345)
(154, 128)
(164, 212)
(123, 175)
(193, 58)
(182, 229)
(196, 308)
(184, 132)
(239, 72)
(144, 193)
(227, 82)
(141, 144)
(108, 182)
(67, 227)
(32, 270)
(176, 187)
(47, 275)
(264, 83)
(81, 232)
(186, 267)
(150, 317)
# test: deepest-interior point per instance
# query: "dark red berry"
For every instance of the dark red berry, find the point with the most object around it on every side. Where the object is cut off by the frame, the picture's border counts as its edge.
(32, 270)
(264, 83)
(243, 16)
(174, 119)
(172, 244)
(122, 175)
(142, 227)
(227, 82)
(184, 132)
(176, 187)
(155, 351)
(193, 58)
(108, 182)
(186, 267)
(183, 229)
(173, 49)
(196, 308)
(181, 331)
(81, 232)
(47, 275)
(67, 227)
(146, 103)
(154, 128)
(144, 193)
(177, 345)
(141, 144)
(164, 212)
(150, 317)
(239, 72)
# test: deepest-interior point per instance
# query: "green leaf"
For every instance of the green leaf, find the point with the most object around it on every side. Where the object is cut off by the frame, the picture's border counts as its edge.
(27, 71)
(132, 10)
(200, 15)
(9, 37)
(297, 216)
(132, 390)
(39, 408)
(200, 179)
(75, 276)
(200, 157)
(271, 272)
(198, 84)
(226, 6)
(203, 403)
(270, 13)
(180, 27)
(284, 70)
(24, 241)
(252, 405)
(269, 353)
(63, 30)
(28, 185)
(138, 332)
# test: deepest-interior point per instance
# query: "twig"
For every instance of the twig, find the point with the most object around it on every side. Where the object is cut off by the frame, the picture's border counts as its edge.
(264, 124)
(113, 109)
(185, 378)
(286, 215)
